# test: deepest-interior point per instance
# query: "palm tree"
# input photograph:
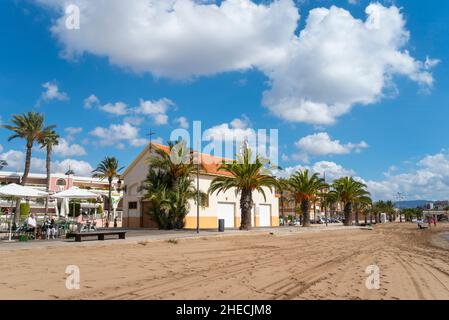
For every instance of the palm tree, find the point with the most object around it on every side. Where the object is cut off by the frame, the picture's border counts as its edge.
(28, 126)
(378, 208)
(361, 205)
(178, 162)
(108, 169)
(327, 200)
(169, 207)
(389, 209)
(306, 189)
(178, 201)
(349, 192)
(283, 188)
(246, 175)
(48, 140)
(156, 187)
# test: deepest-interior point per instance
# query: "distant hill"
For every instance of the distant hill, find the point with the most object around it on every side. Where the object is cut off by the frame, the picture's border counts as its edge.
(411, 204)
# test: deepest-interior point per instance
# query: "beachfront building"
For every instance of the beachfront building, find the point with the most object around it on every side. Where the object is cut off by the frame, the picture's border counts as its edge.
(265, 213)
(288, 208)
(60, 182)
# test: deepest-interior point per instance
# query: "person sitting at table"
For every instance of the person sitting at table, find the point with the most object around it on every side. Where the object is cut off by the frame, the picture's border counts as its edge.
(51, 229)
(31, 224)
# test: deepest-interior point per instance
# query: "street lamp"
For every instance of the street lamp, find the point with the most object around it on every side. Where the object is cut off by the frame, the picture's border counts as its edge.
(399, 197)
(3, 164)
(198, 187)
(69, 173)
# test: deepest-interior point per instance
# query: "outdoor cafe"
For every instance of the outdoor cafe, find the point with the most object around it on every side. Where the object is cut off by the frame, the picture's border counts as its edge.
(81, 210)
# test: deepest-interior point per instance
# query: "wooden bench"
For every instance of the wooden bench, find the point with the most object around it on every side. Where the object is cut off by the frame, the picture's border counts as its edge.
(100, 234)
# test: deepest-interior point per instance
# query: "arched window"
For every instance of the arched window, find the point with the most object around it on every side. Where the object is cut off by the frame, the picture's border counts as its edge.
(61, 183)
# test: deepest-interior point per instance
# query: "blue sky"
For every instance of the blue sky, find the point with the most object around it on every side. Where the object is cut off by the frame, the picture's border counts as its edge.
(392, 137)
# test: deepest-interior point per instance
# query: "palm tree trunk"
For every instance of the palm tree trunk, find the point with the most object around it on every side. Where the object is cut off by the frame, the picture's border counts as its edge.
(110, 202)
(26, 172)
(348, 214)
(48, 167)
(282, 205)
(357, 217)
(366, 218)
(27, 164)
(246, 203)
(305, 208)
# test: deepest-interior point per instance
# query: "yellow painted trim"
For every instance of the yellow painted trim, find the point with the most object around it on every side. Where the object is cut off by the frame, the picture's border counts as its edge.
(256, 221)
(236, 222)
(205, 222)
(274, 221)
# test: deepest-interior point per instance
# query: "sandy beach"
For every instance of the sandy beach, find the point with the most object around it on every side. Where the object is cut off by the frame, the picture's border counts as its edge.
(413, 264)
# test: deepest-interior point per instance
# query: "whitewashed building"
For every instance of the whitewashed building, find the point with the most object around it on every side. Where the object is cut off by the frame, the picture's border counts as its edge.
(219, 206)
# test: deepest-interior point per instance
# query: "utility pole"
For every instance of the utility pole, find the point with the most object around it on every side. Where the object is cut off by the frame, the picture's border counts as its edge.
(198, 157)
(325, 200)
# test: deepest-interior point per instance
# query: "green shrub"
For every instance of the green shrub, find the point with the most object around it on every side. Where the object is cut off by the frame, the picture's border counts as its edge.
(24, 210)
(100, 211)
(74, 204)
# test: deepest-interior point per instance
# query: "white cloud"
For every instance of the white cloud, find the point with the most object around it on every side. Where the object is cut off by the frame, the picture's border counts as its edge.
(227, 139)
(160, 119)
(81, 168)
(16, 162)
(1, 148)
(427, 180)
(118, 108)
(51, 93)
(134, 120)
(65, 149)
(236, 130)
(119, 133)
(321, 144)
(331, 169)
(335, 63)
(182, 122)
(91, 101)
(14, 158)
(157, 109)
(180, 38)
(148, 107)
(339, 61)
(73, 130)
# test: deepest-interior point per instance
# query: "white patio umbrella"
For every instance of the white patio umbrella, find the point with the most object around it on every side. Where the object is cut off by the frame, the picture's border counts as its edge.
(19, 191)
(75, 193)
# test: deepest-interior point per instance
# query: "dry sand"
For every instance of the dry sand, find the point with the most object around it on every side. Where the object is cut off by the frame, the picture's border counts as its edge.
(414, 264)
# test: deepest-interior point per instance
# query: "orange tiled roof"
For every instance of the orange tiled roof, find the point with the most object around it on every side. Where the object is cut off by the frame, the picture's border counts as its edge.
(209, 164)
